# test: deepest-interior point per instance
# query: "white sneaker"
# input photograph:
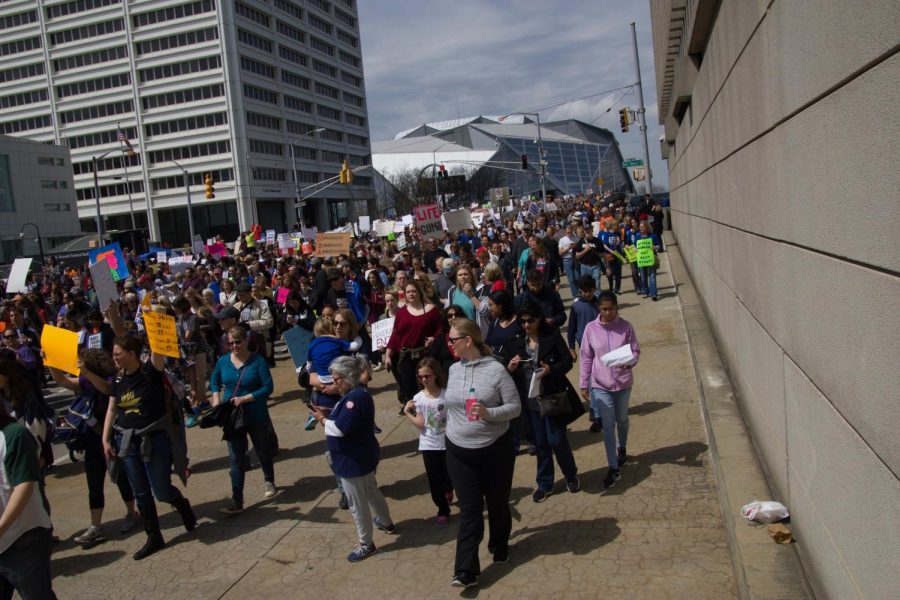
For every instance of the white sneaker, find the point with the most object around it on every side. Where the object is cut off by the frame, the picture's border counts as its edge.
(91, 535)
(271, 490)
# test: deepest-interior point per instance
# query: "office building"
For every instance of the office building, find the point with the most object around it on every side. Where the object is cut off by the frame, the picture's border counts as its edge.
(233, 88)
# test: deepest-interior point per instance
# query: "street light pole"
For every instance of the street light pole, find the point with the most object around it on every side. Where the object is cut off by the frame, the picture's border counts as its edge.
(97, 200)
(642, 119)
(39, 240)
(299, 211)
(187, 187)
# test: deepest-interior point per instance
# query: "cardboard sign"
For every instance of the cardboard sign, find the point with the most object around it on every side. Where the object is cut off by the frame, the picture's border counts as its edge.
(383, 228)
(115, 260)
(458, 220)
(381, 333)
(364, 224)
(60, 348)
(297, 340)
(428, 218)
(17, 276)
(333, 243)
(161, 332)
(631, 253)
(103, 284)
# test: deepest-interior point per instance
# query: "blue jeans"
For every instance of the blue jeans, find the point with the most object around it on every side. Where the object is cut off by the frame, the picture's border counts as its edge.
(648, 280)
(25, 566)
(612, 408)
(595, 271)
(550, 438)
(154, 476)
(237, 451)
(571, 275)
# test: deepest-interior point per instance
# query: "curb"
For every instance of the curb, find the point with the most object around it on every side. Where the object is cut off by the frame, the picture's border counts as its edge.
(762, 568)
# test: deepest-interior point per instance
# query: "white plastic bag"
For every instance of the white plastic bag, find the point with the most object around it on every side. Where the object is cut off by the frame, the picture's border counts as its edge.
(765, 511)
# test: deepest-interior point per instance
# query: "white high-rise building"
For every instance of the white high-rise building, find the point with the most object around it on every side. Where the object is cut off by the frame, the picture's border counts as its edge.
(226, 87)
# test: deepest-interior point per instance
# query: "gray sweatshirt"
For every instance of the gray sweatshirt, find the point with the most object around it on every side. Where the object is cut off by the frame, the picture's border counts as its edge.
(494, 388)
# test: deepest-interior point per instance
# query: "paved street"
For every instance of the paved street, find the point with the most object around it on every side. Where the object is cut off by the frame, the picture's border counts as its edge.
(658, 533)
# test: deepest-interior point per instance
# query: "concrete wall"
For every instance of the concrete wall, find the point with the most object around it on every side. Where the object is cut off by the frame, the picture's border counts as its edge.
(785, 190)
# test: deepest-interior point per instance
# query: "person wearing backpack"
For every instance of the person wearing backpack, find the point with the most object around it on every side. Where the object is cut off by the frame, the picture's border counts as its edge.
(85, 415)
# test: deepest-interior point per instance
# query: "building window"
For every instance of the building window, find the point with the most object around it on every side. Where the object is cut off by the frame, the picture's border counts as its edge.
(186, 124)
(331, 135)
(345, 18)
(51, 161)
(54, 184)
(115, 189)
(263, 121)
(172, 13)
(76, 6)
(332, 157)
(23, 72)
(91, 58)
(327, 90)
(299, 128)
(86, 32)
(23, 98)
(355, 119)
(357, 140)
(292, 55)
(197, 65)
(192, 151)
(264, 147)
(58, 207)
(268, 174)
(305, 153)
(177, 181)
(308, 177)
(346, 57)
(354, 100)
(18, 46)
(351, 79)
(324, 69)
(328, 113)
(357, 161)
(258, 68)
(95, 112)
(113, 163)
(180, 40)
(291, 78)
(183, 96)
(297, 104)
(320, 24)
(320, 45)
(16, 20)
(251, 14)
(289, 8)
(290, 31)
(25, 124)
(93, 85)
(254, 41)
(97, 139)
(259, 94)
(348, 39)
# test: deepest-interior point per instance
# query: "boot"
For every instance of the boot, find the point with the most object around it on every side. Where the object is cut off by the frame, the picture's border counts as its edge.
(155, 540)
(183, 506)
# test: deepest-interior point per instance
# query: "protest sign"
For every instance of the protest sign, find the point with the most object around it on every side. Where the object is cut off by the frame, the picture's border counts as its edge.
(161, 257)
(333, 243)
(103, 284)
(457, 220)
(161, 333)
(309, 233)
(282, 295)
(95, 341)
(197, 247)
(401, 241)
(60, 348)
(381, 333)
(407, 220)
(645, 256)
(284, 241)
(428, 218)
(177, 264)
(383, 228)
(297, 340)
(399, 227)
(15, 283)
(364, 224)
(115, 260)
(216, 249)
(631, 254)
(270, 236)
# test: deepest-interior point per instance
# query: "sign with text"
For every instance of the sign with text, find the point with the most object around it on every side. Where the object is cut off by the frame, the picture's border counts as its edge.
(161, 333)
(115, 260)
(365, 225)
(333, 243)
(458, 220)
(381, 333)
(17, 275)
(179, 264)
(631, 254)
(383, 228)
(428, 218)
(645, 257)
(103, 284)
(297, 340)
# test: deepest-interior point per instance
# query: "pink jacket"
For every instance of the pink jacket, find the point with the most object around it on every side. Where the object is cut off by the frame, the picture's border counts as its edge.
(600, 338)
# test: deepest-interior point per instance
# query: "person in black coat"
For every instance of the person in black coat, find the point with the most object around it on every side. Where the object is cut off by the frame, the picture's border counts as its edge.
(554, 312)
(541, 349)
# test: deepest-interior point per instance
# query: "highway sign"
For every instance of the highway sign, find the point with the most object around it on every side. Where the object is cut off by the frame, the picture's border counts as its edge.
(632, 162)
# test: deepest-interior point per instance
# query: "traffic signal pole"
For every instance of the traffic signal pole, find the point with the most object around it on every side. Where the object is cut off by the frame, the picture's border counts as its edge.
(642, 121)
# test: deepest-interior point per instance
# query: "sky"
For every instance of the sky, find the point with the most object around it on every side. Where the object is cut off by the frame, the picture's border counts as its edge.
(430, 61)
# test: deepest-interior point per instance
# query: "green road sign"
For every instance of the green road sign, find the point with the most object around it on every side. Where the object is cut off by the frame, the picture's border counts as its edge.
(632, 162)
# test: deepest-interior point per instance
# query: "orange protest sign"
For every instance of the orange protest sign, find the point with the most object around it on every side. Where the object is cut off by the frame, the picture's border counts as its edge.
(161, 333)
(333, 243)
(60, 349)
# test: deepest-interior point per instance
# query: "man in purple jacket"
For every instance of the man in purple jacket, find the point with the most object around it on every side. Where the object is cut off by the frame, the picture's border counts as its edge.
(608, 388)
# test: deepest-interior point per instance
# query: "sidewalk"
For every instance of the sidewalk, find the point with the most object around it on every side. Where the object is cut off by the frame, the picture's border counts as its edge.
(658, 533)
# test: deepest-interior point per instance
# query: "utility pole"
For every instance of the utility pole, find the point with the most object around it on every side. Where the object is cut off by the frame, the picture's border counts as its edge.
(642, 121)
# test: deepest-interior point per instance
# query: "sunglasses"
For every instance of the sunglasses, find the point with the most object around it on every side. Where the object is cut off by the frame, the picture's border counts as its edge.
(339, 323)
(527, 321)
(453, 340)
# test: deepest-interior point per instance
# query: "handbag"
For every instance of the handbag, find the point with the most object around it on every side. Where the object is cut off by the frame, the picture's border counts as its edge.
(554, 405)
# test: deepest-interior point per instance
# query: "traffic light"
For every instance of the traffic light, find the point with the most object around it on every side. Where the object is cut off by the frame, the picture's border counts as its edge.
(623, 119)
(442, 172)
(346, 175)
(524, 162)
(209, 184)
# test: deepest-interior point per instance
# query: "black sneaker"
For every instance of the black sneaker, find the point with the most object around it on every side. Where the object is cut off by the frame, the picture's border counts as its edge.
(501, 558)
(612, 476)
(573, 485)
(343, 503)
(463, 580)
(233, 508)
(621, 456)
(540, 495)
(596, 426)
(389, 528)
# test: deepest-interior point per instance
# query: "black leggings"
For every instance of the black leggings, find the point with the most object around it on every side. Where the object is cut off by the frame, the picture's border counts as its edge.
(95, 471)
(438, 479)
(404, 371)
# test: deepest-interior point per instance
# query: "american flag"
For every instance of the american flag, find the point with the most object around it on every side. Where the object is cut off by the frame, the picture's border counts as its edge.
(122, 137)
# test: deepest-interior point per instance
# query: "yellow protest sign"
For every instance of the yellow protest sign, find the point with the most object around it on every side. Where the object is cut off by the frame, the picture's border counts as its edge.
(619, 256)
(145, 303)
(645, 256)
(60, 349)
(161, 332)
(631, 254)
(333, 243)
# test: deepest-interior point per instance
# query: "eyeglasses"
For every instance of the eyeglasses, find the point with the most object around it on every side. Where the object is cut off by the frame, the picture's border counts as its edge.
(452, 316)
(339, 323)
(527, 321)
(453, 340)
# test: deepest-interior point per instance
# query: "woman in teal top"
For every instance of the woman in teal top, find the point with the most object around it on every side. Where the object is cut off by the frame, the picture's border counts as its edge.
(243, 378)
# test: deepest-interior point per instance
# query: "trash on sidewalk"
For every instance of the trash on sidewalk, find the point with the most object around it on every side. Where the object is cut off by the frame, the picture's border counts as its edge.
(765, 511)
(780, 533)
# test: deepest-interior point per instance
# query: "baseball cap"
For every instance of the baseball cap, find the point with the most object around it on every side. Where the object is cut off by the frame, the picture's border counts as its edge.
(229, 312)
(243, 288)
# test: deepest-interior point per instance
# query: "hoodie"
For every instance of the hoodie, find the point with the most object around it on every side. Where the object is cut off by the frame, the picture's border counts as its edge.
(600, 338)
(494, 388)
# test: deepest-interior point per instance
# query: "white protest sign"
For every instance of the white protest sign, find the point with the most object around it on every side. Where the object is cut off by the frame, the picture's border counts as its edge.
(198, 245)
(458, 220)
(364, 224)
(177, 264)
(270, 236)
(161, 257)
(285, 241)
(95, 341)
(381, 333)
(383, 228)
(15, 283)
(103, 284)
(309, 233)
(401, 241)
(407, 220)
(428, 218)
(477, 218)
(399, 227)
